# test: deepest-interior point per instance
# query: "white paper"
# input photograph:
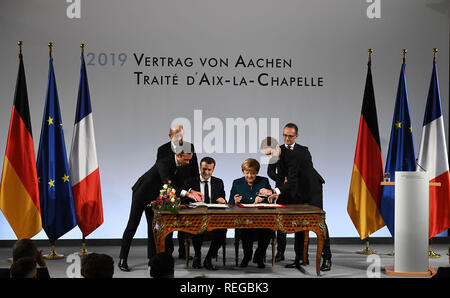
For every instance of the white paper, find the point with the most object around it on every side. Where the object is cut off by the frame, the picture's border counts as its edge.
(203, 204)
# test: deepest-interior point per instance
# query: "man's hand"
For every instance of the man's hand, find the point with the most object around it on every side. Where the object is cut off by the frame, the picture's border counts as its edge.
(195, 195)
(273, 198)
(237, 198)
(40, 259)
(265, 192)
(221, 201)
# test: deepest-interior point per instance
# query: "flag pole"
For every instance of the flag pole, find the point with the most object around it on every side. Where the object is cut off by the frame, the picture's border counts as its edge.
(20, 44)
(431, 253)
(83, 251)
(53, 255)
(50, 48)
(367, 250)
(404, 51)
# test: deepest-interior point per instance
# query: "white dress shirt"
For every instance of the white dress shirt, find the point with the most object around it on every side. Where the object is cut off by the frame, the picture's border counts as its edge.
(183, 192)
(202, 186)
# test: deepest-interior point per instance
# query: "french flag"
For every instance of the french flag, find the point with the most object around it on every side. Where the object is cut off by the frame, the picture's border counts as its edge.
(83, 163)
(433, 158)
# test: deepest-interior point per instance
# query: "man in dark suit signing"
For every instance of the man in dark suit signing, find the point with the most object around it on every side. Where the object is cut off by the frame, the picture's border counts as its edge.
(213, 191)
(147, 189)
(301, 183)
(176, 134)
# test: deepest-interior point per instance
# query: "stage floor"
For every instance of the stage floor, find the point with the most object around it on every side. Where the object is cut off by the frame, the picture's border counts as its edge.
(346, 262)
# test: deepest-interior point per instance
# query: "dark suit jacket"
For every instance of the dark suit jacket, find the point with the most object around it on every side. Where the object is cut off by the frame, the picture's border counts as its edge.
(241, 187)
(278, 171)
(148, 186)
(190, 170)
(304, 183)
(217, 187)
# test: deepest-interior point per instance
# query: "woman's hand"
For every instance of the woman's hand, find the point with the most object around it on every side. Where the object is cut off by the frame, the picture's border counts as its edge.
(258, 200)
(237, 198)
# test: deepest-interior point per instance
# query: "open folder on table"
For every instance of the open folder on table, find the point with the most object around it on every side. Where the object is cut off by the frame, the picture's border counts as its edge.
(203, 204)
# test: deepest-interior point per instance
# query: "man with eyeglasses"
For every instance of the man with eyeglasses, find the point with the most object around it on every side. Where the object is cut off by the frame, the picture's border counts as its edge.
(294, 162)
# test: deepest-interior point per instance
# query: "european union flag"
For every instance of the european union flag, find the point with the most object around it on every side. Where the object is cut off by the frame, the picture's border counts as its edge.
(401, 155)
(55, 189)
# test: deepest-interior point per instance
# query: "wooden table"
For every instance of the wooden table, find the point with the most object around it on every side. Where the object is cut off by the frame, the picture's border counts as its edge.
(290, 219)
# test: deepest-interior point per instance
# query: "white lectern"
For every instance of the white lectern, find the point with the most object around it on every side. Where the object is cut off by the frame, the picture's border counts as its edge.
(411, 225)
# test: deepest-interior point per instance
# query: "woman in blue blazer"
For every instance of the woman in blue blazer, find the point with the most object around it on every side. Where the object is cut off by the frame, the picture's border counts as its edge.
(245, 191)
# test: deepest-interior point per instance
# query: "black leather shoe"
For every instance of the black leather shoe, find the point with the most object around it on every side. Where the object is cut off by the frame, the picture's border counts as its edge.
(326, 265)
(123, 265)
(197, 263)
(208, 265)
(305, 263)
(183, 257)
(260, 263)
(244, 262)
(279, 257)
(296, 264)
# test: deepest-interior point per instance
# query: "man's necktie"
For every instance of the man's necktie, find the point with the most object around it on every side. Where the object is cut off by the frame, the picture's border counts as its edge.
(207, 199)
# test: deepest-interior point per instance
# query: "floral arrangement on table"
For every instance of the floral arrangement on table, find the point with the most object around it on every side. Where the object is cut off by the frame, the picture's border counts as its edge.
(167, 200)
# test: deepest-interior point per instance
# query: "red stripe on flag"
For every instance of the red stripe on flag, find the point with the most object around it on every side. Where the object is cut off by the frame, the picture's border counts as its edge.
(20, 153)
(369, 161)
(88, 203)
(439, 205)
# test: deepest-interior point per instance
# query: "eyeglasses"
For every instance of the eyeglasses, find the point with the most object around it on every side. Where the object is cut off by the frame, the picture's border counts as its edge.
(289, 136)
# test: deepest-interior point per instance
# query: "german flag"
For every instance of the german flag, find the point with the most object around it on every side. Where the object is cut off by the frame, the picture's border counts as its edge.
(19, 192)
(365, 190)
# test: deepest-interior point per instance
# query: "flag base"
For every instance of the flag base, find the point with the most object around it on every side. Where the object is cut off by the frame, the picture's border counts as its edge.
(53, 255)
(83, 251)
(433, 255)
(390, 271)
(366, 251)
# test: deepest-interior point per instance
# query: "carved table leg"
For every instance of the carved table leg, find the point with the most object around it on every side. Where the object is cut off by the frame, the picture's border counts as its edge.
(320, 241)
(159, 233)
(305, 246)
(321, 234)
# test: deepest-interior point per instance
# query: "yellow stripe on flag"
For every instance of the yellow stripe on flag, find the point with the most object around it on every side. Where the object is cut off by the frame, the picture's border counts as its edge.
(362, 207)
(17, 205)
